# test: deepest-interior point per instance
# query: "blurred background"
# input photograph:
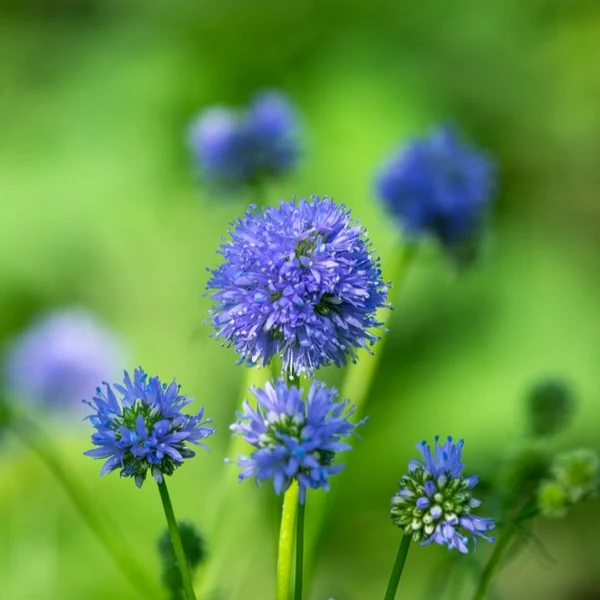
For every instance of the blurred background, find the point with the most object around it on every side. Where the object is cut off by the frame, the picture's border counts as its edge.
(101, 209)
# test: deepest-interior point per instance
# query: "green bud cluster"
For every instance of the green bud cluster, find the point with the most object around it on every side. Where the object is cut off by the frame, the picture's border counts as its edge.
(450, 500)
(575, 477)
(282, 425)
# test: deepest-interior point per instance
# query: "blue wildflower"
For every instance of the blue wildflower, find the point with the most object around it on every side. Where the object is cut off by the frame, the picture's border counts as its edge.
(272, 125)
(221, 147)
(236, 148)
(60, 358)
(146, 429)
(438, 186)
(298, 281)
(435, 501)
(294, 438)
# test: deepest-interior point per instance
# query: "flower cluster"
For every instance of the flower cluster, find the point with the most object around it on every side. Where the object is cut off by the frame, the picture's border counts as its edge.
(146, 429)
(435, 500)
(575, 477)
(438, 186)
(234, 148)
(298, 281)
(294, 438)
(61, 357)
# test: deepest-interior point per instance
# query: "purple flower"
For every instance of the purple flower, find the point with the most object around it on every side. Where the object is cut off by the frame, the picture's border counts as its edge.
(60, 358)
(298, 281)
(438, 186)
(435, 500)
(145, 429)
(294, 438)
(237, 148)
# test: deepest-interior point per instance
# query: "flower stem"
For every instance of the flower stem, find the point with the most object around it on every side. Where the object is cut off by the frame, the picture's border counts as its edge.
(299, 551)
(359, 377)
(34, 438)
(285, 553)
(392, 587)
(490, 569)
(529, 511)
(184, 568)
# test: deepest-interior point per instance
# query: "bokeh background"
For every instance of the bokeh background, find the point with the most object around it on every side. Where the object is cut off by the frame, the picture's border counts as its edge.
(101, 208)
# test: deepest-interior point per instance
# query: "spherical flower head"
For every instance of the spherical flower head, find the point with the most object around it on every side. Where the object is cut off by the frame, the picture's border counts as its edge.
(295, 438)
(438, 186)
(435, 501)
(60, 358)
(297, 281)
(145, 429)
(237, 148)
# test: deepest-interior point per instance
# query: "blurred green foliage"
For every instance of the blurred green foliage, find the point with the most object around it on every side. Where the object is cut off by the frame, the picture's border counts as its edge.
(99, 207)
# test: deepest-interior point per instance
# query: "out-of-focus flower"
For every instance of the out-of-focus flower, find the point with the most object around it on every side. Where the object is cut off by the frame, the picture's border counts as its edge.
(550, 407)
(194, 547)
(294, 438)
(435, 501)
(575, 477)
(146, 429)
(61, 357)
(236, 148)
(299, 281)
(438, 186)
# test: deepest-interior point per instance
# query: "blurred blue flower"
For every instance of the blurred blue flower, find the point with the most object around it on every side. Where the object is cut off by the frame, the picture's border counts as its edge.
(438, 186)
(295, 438)
(146, 429)
(435, 501)
(60, 358)
(236, 148)
(298, 281)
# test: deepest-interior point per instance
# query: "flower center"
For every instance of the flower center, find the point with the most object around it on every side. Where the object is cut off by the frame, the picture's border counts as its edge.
(308, 245)
(423, 502)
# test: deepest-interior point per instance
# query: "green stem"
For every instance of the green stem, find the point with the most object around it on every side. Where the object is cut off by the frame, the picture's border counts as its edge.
(501, 548)
(493, 564)
(299, 550)
(34, 438)
(184, 568)
(285, 553)
(359, 377)
(392, 587)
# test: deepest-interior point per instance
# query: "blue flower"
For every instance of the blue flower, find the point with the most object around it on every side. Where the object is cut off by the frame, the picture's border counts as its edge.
(298, 281)
(237, 148)
(272, 125)
(435, 500)
(438, 186)
(221, 147)
(146, 429)
(60, 358)
(294, 438)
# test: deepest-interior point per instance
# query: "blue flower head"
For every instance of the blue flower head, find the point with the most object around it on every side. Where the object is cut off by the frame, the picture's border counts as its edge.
(60, 358)
(438, 186)
(145, 429)
(435, 500)
(236, 148)
(295, 439)
(297, 281)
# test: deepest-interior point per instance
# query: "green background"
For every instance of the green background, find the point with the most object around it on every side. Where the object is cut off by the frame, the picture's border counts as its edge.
(100, 207)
